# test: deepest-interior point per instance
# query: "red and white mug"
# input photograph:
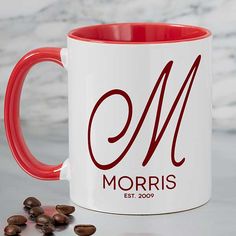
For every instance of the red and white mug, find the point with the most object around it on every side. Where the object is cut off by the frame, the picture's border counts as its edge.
(139, 117)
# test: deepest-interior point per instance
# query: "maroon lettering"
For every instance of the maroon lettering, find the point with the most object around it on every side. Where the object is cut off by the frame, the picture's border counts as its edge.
(140, 181)
(109, 183)
(162, 182)
(158, 132)
(171, 179)
(153, 181)
(131, 183)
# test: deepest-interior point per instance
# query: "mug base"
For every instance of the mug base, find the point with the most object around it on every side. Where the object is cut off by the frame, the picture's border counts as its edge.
(142, 214)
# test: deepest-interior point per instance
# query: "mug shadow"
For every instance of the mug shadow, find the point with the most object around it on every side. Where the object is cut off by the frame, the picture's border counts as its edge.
(179, 224)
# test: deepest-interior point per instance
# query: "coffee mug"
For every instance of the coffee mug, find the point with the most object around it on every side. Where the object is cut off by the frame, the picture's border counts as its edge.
(140, 118)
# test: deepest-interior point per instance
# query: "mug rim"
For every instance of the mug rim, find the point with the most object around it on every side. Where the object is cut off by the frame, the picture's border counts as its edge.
(92, 33)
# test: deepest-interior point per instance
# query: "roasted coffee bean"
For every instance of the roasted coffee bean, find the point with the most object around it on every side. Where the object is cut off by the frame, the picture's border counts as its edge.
(47, 229)
(65, 209)
(44, 219)
(60, 219)
(84, 230)
(36, 211)
(31, 202)
(17, 220)
(12, 230)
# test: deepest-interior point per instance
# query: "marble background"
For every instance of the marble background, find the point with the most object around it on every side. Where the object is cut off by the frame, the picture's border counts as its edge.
(28, 24)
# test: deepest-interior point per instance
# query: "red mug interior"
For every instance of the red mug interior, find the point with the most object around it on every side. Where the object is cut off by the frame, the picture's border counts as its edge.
(139, 33)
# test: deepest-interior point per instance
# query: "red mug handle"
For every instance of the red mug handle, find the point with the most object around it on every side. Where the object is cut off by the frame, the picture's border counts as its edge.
(15, 138)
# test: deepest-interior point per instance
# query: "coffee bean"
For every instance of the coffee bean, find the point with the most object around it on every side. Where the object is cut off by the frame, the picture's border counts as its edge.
(36, 211)
(31, 202)
(47, 229)
(65, 209)
(60, 219)
(17, 220)
(84, 230)
(12, 230)
(44, 219)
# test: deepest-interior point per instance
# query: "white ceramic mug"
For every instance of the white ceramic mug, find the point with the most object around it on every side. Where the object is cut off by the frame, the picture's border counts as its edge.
(139, 117)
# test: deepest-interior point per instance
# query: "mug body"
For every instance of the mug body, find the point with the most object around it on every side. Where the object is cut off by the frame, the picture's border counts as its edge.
(139, 118)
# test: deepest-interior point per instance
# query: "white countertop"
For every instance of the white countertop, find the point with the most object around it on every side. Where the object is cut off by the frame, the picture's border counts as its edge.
(215, 218)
